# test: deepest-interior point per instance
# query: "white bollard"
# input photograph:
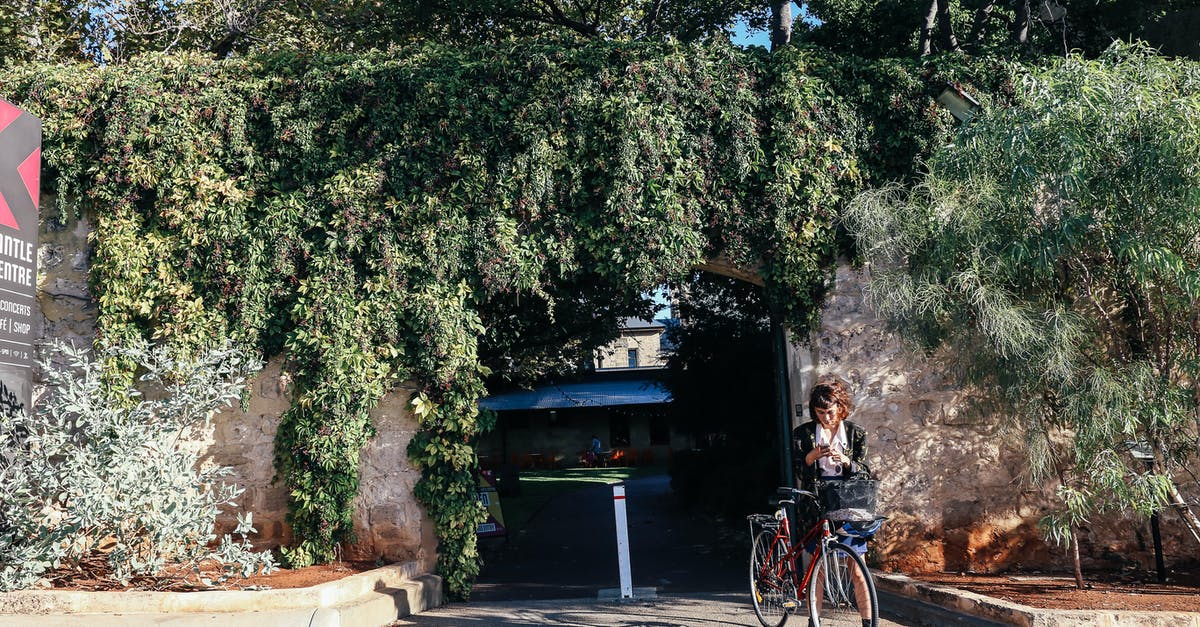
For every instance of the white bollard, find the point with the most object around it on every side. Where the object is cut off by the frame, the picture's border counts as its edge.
(622, 541)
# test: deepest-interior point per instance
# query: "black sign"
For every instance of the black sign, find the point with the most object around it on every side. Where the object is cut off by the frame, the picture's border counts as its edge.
(20, 169)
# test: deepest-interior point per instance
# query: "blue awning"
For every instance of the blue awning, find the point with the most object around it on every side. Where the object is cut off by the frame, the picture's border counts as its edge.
(593, 394)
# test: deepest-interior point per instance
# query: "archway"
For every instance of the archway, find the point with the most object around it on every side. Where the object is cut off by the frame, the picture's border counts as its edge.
(375, 221)
(686, 505)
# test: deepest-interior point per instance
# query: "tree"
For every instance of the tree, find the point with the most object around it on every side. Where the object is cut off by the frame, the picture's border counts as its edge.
(894, 28)
(528, 338)
(1056, 246)
(40, 30)
(112, 31)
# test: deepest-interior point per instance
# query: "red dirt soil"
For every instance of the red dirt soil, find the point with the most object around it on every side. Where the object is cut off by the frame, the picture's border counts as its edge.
(91, 580)
(1132, 592)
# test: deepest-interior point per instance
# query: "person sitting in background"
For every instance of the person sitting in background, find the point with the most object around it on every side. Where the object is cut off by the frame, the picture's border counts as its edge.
(592, 454)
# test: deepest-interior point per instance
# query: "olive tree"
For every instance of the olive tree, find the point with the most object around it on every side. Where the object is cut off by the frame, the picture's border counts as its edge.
(1055, 245)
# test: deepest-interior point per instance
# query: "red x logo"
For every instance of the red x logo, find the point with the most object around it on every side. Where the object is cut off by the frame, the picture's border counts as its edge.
(20, 164)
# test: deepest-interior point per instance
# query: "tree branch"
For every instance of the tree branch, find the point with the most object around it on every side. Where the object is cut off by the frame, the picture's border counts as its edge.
(946, 27)
(781, 24)
(555, 16)
(1020, 26)
(1089, 289)
(926, 44)
(650, 22)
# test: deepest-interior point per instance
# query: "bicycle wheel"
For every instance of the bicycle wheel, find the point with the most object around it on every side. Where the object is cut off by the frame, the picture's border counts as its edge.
(771, 585)
(837, 595)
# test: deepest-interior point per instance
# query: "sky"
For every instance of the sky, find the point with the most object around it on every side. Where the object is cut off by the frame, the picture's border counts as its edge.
(762, 38)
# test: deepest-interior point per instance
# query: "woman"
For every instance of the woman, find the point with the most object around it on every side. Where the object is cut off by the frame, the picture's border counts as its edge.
(830, 448)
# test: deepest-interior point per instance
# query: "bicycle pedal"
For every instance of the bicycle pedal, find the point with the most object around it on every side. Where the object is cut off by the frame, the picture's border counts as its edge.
(789, 605)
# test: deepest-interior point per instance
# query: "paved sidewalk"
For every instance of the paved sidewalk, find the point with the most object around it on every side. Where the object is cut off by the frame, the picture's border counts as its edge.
(686, 610)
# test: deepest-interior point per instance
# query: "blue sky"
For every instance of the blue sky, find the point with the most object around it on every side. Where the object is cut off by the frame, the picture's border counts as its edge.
(761, 38)
(742, 38)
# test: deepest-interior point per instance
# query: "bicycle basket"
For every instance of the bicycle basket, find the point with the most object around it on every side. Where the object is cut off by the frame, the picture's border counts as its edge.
(852, 500)
(859, 529)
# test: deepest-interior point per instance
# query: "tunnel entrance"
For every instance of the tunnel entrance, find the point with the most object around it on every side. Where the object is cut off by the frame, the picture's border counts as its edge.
(691, 431)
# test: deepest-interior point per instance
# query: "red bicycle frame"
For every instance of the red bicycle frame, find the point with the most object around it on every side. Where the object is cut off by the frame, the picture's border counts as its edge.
(819, 531)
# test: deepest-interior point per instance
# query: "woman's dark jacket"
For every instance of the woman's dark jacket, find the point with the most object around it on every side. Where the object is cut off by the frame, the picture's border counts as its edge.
(803, 441)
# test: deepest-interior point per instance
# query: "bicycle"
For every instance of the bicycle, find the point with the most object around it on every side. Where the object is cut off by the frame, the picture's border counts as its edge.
(836, 580)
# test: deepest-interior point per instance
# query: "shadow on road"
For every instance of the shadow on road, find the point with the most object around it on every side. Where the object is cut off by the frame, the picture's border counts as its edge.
(568, 549)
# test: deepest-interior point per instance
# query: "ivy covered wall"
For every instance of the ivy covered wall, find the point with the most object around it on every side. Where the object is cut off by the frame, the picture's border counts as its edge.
(360, 214)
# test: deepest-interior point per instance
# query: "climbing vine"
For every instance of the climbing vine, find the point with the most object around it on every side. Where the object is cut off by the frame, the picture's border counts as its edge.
(357, 214)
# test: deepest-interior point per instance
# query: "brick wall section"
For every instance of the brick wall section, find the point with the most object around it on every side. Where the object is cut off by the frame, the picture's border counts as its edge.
(388, 520)
(953, 483)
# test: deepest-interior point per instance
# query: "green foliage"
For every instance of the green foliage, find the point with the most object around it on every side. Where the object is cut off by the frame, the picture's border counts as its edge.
(892, 28)
(1055, 245)
(110, 32)
(375, 218)
(477, 21)
(103, 469)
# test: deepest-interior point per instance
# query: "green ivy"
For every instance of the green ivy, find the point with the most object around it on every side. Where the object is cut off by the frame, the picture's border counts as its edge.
(357, 214)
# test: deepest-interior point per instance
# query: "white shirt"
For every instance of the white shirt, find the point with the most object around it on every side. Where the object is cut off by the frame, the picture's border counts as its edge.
(837, 443)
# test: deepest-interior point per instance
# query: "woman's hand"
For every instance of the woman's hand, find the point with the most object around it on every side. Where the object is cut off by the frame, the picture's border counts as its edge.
(819, 451)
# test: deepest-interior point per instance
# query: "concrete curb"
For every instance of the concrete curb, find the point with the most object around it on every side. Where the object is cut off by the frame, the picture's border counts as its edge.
(1010, 613)
(376, 597)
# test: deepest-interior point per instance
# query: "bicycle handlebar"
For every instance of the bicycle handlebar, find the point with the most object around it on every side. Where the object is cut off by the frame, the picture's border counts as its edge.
(786, 491)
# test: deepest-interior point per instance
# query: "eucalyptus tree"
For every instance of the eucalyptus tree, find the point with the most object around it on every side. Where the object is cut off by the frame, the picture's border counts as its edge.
(40, 30)
(112, 31)
(1056, 246)
(892, 28)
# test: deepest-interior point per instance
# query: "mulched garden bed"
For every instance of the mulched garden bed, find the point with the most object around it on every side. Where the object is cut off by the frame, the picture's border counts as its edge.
(1103, 591)
(90, 577)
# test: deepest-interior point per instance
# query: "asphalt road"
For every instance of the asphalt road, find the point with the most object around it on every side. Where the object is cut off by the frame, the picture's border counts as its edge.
(568, 549)
(552, 572)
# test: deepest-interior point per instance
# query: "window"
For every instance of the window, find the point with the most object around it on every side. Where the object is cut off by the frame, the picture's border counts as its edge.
(633, 358)
(618, 430)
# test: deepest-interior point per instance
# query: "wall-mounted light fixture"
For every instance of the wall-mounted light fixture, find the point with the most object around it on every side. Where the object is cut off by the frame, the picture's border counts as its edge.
(961, 105)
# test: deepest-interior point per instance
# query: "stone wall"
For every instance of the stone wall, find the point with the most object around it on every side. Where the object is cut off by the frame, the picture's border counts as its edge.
(63, 298)
(953, 484)
(955, 490)
(388, 521)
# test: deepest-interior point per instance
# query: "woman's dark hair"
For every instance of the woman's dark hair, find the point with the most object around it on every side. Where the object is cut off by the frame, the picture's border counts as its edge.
(828, 393)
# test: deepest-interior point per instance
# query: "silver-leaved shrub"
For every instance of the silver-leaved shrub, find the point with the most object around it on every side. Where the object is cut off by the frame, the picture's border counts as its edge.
(104, 469)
